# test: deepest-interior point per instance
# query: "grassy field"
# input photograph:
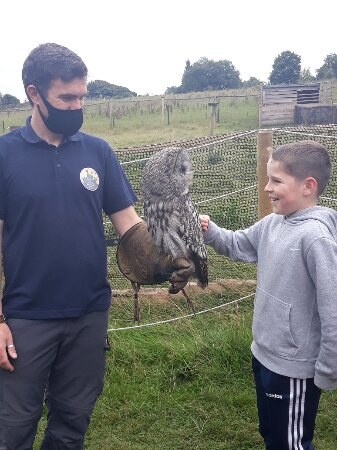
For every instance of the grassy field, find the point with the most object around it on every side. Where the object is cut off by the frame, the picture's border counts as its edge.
(185, 384)
(136, 124)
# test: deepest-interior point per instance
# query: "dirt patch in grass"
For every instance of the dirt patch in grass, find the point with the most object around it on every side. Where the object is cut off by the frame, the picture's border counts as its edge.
(161, 295)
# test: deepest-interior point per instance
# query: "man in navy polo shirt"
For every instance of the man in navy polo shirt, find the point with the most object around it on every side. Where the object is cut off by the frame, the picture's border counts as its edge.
(54, 184)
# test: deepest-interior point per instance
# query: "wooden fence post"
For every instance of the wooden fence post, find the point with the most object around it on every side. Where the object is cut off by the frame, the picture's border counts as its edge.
(213, 105)
(264, 143)
(163, 109)
(168, 114)
(111, 118)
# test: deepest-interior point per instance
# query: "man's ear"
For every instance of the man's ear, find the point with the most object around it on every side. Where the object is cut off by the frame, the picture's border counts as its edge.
(310, 186)
(33, 94)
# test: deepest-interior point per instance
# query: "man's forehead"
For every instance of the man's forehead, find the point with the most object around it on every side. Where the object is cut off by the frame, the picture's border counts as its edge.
(75, 86)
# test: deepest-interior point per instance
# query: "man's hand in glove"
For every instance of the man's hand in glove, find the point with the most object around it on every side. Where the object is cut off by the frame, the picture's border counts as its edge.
(179, 278)
(141, 262)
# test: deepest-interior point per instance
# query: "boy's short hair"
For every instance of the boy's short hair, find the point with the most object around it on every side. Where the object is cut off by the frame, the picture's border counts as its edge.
(304, 159)
(49, 62)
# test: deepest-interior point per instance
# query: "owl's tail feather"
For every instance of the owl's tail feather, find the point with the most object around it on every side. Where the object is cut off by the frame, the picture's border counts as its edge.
(189, 301)
(201, 270)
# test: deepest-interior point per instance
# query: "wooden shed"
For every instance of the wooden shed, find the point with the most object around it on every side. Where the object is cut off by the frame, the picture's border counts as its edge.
(315, 114)
(278, 102)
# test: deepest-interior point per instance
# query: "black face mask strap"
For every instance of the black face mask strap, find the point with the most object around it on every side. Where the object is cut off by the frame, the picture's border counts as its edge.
(45, 101)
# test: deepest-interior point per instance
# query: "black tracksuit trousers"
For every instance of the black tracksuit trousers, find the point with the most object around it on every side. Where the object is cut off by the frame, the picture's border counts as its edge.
(287, 409)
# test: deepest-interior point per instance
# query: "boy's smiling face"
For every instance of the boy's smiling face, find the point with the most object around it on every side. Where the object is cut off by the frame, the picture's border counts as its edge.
(287, 193)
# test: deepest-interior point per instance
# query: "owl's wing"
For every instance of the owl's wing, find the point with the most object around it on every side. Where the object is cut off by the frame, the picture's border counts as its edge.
(165, 225)
(175, 229)
(194, 239)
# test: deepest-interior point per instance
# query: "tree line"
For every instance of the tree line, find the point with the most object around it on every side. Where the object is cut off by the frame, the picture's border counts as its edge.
(8, 100)
(207, 74)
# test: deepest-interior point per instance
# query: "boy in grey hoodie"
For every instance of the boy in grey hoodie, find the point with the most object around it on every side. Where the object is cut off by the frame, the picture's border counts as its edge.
(295, 312)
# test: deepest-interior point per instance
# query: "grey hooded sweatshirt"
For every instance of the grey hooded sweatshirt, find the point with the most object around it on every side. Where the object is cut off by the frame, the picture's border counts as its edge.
(295, 308)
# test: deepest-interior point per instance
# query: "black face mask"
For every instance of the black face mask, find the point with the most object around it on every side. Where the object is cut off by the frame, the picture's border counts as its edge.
(61, 121)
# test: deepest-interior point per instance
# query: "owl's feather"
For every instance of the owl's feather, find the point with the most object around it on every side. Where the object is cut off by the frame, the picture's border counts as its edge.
(171, 216)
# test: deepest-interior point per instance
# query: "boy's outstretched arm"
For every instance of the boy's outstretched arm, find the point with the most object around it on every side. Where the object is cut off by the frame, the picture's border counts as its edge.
(241, 245)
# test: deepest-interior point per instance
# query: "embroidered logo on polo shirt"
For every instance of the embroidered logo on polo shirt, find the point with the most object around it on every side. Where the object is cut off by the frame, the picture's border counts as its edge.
(89, 179)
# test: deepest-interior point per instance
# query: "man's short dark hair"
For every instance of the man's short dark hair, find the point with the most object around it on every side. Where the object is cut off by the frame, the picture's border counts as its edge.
(49, 62)
(304, 159)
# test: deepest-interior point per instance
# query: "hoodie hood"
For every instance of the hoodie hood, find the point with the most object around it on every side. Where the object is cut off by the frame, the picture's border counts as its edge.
(327, 216)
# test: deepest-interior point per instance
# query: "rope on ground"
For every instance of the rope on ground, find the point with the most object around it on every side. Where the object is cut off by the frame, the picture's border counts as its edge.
(182, 317)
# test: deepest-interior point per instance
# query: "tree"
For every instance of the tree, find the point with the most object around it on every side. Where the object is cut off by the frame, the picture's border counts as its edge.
(187, 65)
(174, 90)
(306, 77)
(252, 82)
(9, 100)
(207, 74)
(329, 69)
(286, 68)
(100, 88)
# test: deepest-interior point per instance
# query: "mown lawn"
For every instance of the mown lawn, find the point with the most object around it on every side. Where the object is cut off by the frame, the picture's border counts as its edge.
(189, 120)
(185, 384)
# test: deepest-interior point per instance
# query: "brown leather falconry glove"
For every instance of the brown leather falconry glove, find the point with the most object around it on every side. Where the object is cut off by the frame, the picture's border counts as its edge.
(140, 260)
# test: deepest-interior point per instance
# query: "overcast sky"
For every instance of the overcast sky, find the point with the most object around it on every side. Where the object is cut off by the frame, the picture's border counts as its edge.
(143, 44)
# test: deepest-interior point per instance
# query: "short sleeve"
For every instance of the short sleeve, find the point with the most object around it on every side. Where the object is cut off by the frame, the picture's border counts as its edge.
(118, 193)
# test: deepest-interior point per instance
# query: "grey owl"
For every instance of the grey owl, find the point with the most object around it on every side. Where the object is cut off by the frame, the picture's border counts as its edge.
(172, 218)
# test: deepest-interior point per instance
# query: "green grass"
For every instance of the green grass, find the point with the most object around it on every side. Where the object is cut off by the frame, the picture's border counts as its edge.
(186, 384)
(186, 122)
(144, 125)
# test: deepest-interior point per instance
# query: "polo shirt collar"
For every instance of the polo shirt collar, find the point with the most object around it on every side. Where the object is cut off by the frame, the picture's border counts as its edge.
(30, 136)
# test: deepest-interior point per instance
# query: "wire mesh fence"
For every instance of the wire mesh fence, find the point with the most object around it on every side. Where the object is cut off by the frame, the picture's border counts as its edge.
(225, 188)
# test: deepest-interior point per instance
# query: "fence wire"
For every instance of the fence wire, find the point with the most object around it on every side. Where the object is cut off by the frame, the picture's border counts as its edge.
(224, 187)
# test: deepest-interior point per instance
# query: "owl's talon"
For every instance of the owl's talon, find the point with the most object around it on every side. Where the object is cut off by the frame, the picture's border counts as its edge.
(189, 301)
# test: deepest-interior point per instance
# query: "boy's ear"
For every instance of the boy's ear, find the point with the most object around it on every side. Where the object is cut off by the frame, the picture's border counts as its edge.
(310, 184)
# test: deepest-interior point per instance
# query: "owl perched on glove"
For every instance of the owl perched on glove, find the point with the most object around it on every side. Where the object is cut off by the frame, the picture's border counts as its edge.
(171, 217)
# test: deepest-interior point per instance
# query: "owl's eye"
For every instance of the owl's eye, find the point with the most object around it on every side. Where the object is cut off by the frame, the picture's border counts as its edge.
(182, 169)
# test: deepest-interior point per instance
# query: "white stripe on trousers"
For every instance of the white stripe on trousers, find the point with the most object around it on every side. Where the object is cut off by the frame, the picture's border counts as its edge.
(296, 413)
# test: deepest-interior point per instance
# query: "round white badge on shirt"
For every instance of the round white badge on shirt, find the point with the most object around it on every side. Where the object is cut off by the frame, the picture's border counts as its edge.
(89, 178)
